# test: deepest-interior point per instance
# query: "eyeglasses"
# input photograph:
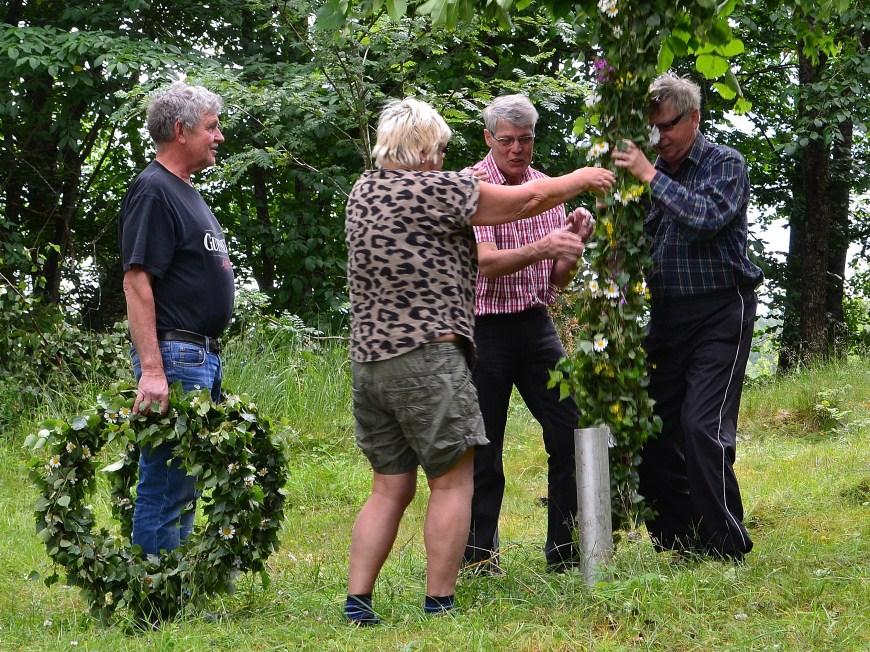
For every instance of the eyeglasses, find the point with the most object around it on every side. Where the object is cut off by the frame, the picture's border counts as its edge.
(508, 141)
(670, 124)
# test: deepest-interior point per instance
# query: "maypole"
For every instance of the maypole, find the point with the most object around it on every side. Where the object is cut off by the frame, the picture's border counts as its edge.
(607, 372)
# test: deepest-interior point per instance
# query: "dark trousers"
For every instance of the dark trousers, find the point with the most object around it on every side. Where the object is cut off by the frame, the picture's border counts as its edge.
(697, 349)
(520, 349)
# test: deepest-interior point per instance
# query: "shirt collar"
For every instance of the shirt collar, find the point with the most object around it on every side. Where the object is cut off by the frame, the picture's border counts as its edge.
(694, 154)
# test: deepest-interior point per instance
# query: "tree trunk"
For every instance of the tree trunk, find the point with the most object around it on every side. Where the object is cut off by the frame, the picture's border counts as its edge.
(805, 335)
(841, 174)
(266, 275)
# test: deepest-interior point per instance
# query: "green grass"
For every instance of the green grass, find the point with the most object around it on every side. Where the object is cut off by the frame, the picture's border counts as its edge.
(805, 476)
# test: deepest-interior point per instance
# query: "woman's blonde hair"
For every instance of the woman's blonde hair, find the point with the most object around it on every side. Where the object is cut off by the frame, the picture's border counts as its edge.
(406, 128)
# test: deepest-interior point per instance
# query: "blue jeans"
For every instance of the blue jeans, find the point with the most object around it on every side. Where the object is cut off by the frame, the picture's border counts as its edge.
(166, 495)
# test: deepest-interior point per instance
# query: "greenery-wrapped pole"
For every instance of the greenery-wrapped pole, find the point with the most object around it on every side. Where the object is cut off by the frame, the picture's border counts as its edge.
(606, 373)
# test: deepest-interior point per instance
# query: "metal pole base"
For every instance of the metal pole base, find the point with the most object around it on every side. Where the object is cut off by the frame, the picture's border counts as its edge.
(594, 525)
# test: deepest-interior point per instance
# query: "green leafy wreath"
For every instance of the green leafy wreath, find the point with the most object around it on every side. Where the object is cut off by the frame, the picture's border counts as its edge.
(227, 446)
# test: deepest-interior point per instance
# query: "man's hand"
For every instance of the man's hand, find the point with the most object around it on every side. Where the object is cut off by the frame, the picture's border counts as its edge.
(562, 243)
(581, 222)
(153, 388)
(629, 156)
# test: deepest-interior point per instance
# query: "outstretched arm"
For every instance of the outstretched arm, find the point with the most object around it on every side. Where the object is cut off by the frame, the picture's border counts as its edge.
(501, 204)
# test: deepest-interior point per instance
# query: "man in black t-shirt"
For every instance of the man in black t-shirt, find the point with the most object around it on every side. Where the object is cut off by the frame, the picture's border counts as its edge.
(178, 282)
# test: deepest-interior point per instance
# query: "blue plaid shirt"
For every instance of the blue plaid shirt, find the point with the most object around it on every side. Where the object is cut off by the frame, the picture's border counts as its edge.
(698, 224)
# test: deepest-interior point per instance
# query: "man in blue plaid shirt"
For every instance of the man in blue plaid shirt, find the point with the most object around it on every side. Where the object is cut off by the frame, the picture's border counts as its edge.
(703, 309)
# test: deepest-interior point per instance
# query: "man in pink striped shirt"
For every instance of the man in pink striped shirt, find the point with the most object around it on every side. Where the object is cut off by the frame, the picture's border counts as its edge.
(521, 267)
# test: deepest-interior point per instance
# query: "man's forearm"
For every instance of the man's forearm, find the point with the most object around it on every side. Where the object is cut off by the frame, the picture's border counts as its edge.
(564, 270)
(142, 321)
(503, 262)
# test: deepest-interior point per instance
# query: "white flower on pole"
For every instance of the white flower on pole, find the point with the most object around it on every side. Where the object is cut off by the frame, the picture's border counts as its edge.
(593, 287)
(598, 150)
(608, 7)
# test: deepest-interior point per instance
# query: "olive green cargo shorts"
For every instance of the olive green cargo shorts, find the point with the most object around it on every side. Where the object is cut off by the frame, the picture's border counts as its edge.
(418, 408)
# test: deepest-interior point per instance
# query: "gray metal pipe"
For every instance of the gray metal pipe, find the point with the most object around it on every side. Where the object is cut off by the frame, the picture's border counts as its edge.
(594, 525)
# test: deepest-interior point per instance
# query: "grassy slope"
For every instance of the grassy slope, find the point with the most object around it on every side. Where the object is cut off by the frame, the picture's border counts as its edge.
(805, 587)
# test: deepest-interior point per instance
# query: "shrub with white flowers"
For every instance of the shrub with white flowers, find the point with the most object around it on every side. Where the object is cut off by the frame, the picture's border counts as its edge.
(240, 469)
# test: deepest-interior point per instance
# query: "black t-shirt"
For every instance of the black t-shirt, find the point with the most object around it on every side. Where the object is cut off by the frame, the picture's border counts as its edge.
(166, 228)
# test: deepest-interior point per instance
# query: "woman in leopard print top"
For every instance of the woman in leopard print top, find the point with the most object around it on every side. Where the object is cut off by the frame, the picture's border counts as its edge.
(411, 270)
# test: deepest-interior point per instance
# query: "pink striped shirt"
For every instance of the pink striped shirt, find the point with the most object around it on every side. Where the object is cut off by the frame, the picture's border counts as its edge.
(529, 287)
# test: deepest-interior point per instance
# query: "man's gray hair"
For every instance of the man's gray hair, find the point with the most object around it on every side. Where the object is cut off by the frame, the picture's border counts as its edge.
(683, 94)
(179, 102)
(516, 109)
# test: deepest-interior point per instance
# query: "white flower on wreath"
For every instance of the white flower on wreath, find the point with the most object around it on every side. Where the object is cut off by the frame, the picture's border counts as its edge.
(86, 453)
(599, 343)
(593, 287)
(608, 7)
(227, 532)
(263, 472)
(249, 481)
(598, 150)
(612, 291)
(617, 31)
(592, 99)
(108, 599)
(231, 467)
(54, 462)
(70, 447)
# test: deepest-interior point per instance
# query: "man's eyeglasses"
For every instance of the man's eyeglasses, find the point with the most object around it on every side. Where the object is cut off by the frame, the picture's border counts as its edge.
(508, 141)
(670, 124)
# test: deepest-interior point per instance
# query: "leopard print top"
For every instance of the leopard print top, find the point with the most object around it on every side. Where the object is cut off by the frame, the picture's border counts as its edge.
(411, 260)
